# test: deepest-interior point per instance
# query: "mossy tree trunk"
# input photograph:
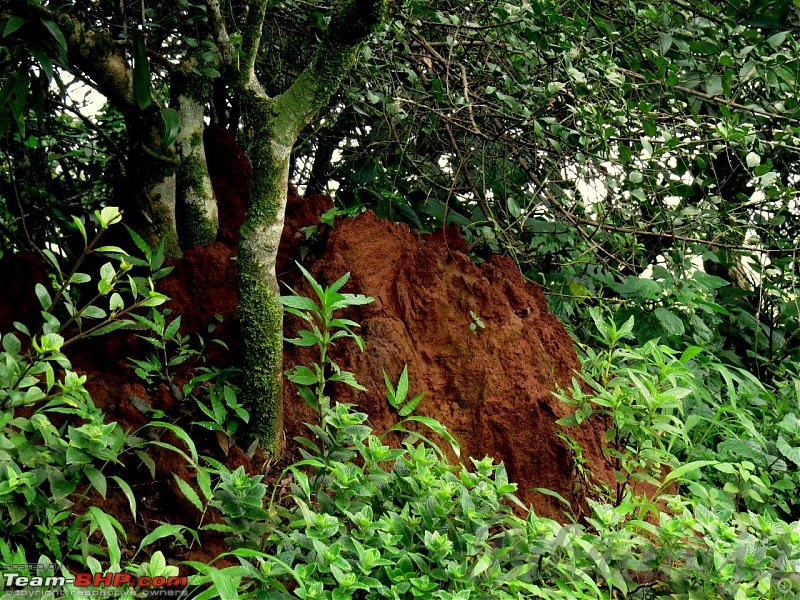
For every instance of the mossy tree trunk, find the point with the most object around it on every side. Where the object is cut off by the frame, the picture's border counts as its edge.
(152, 173)
(197, 211)
(272, 126)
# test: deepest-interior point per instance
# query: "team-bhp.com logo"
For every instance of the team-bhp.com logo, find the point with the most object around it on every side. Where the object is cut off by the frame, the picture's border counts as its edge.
(15, 583)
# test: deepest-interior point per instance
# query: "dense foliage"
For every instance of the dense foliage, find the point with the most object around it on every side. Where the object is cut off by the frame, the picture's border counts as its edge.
(637, 159)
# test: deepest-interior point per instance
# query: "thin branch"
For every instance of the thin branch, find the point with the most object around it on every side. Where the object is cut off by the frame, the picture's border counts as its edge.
(220, 32)
(251, 41)
(352, 21)
(92, 51)
(729, 103)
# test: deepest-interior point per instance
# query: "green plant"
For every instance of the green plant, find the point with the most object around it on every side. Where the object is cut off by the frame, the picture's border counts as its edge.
(477, 323)
(325, 331)
(635, 404)
(397, 397)
(172, 348)
(240, 499)
(214, 393)
(752, 429)
(54, 443)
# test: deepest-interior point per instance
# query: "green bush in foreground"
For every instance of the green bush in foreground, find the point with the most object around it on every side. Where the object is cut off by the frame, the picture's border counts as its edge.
(364, 520)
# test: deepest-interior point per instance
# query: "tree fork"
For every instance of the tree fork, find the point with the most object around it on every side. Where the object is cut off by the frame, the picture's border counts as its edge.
(273, 126)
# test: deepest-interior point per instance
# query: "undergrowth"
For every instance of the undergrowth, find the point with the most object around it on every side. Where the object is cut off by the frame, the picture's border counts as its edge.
(704, 503)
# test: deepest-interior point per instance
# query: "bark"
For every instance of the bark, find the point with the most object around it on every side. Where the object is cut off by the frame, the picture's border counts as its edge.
(152, 175)
(197, 212)
(273, 125)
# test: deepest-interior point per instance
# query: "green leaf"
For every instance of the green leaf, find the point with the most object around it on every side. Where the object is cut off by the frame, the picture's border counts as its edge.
(13, 24)
(204, 483)
(313, 283)
(126, 489)
(788, 451)
(777, 39)
(143, 246)
(684, 469)
(302, 375)
(690, 353)
(43, 295)
(113, 326)
(299, 303)
(93, 312)
(11, 344)
(753, 159)
(141, 73)
(109, 250)
(172, 125)
(671, 323)
(172, 328)
(81, 228)
(161, 532)
(483, 563)
(225, 585)
(337, 285)
(189, 492)
(437, 427)
(109, 533)
(61, 41)
(181, 435)
(97, 479)
(410, 406)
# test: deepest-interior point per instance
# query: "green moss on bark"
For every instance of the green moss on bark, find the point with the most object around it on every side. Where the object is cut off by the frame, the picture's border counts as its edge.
(194, 228)
(273, 127)
(164, 224)
(261, 317)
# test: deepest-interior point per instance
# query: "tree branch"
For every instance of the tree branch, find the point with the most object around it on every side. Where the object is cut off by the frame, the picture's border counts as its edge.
(352, 21)
(220, 32)
(251, 40)
(91, 51)
(716, 99)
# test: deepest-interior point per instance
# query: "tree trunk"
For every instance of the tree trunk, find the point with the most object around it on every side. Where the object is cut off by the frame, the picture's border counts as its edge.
(152, 173)
(197, 212)
(272, 126)
(260, 314)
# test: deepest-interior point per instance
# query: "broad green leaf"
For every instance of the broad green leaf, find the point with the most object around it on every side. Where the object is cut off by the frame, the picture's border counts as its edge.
(97, 478)
(43, 295)
(13, 24)
(671, 323)
(11, 344)
(172, 125)
(789, 452)
(141, 73)
(753, 159)
(777, 39)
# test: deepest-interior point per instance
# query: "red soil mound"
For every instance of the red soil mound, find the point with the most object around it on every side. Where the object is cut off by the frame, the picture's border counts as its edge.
(492, 388)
